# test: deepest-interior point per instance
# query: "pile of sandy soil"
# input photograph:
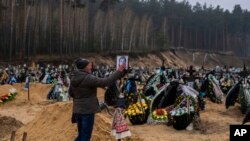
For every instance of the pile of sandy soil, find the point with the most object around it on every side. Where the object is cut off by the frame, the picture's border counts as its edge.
(22, 109)
(173, 58)
(5, 89)
(7, 125)
(52, 122)
(38, 92)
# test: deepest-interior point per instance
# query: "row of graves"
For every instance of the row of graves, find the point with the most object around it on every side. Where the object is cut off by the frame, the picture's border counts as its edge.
(57, 76)
(173, 97)
(43, 74)
(176, 97)
(61, 81)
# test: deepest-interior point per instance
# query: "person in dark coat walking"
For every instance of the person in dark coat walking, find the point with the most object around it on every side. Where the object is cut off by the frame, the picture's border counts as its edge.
(83, 89)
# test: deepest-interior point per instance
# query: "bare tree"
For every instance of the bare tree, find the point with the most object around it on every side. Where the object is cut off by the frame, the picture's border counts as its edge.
(85, 26)
(125, 23)
(142, 36)
(147, 31)
(11, 28)
(133, 34)
(98, 28)
(112, 27)
(61, 26)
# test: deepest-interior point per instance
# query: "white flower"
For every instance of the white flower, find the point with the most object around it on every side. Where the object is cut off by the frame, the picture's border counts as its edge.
(12, 90)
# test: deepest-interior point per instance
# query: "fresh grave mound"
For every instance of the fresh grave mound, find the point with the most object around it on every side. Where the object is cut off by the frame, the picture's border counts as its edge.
(7, 125)
(54, 124)
(5, 89)
(38, 93)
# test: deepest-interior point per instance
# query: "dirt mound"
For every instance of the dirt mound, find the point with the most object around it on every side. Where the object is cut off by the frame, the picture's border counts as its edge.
(22, 109)
(51, 121)
(38, 93)
(173, 58)
(54, 124)
(5, 89)
(7, 125)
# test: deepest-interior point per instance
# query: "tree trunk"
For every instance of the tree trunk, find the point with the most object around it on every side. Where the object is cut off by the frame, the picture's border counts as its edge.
(50, 28)
(132, 34)
(73, 29)
(223, 39)
(61, 27)
(226, 38)
(26, 16)
(36, 28)
(17, 43)
(216, 39)
(68, 31)
(196, 38)
(209, 40)
(172, 36)
(11, 29)
(180, 37)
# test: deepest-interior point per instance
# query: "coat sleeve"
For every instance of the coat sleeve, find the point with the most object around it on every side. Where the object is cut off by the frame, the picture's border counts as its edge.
(93, 81)
(71, 94)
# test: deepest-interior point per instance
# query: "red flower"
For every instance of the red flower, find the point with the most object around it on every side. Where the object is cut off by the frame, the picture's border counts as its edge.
(4, 97)
(159, 112)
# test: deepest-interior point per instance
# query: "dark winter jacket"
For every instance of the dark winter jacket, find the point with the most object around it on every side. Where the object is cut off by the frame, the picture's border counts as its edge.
(83, 89)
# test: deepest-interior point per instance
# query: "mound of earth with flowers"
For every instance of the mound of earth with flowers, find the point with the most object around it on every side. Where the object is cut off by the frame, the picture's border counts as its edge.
(51, 121)
(53, 124)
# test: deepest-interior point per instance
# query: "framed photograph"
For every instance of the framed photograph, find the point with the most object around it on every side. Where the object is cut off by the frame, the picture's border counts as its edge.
(120, 60)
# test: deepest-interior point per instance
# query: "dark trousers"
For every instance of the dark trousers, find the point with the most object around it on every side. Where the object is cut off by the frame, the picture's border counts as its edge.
(85, 123)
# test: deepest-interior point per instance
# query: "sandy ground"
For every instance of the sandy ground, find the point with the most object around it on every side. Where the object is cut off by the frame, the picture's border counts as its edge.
(47, 121)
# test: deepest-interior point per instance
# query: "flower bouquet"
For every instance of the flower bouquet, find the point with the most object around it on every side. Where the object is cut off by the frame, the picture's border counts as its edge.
(137, 113)
(8, 97)
(184, 110)
(158, 116)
